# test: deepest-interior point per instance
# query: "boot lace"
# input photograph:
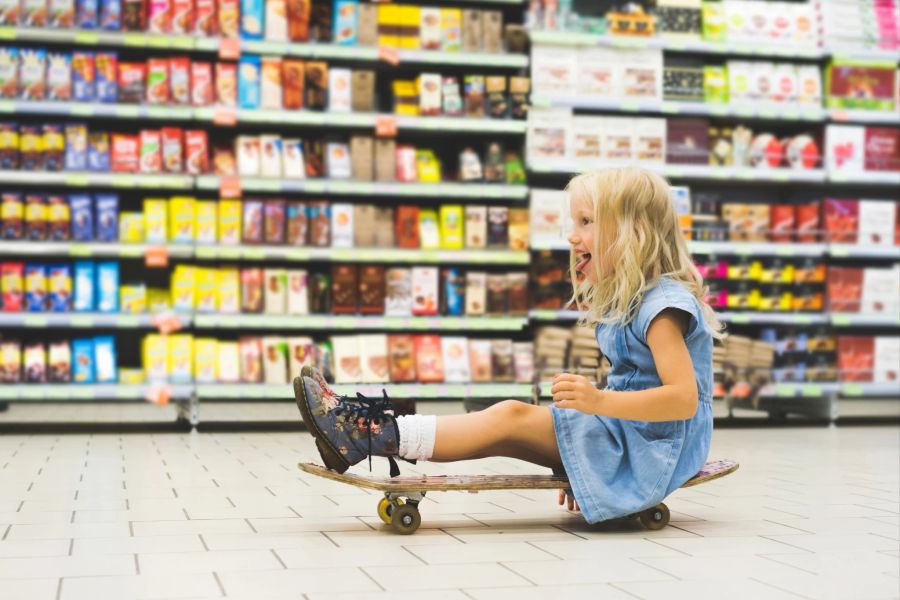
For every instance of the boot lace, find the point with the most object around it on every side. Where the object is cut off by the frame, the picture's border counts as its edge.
(364, 411)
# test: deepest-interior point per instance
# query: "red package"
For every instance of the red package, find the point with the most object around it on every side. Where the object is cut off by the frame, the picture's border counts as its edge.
(856, 358)
(125, 151)
(196, 152)
(172, 150)
(844, 288)
(841, 220)
(182, 16)
(151, 151)
(782, 222)
(205, 17)
(429, 358)
(229, 14)
(12, 285)
(806, 218)
(251, 290)
(226, 84)
(201, 84)
(132, 77)
(882, 150)
(158, 81)
(251, 360)
(180, 80)
(160, 16)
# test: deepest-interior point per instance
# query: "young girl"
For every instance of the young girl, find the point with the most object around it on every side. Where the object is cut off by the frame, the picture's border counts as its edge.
(623, 448)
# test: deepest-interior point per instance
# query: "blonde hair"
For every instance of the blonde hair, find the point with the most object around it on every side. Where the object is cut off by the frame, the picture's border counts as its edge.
(647, 244)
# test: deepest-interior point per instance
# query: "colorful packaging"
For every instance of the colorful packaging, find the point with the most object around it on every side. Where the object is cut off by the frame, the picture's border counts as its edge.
(183, 287)
(98, 155)
(160, 13)
(293, 79)
(35, 288)
(205, 356)
(82, 214)
(205, 222)
(253, 221)
(9, 72)
(197, 152)
(298, 13)
(76, 142)
(276, 24)
(155, 354)
(229, 18)
(59, 362)
(250, 360)
(181, 219)
(133, 299)
(83, 361)
(86, 14)
(131, 227)
(249, 73)
(107, 207)
(59, 76)
(252, 19)
(226, 84)
(111, 15)
(172, 150)
(108, 287)
(12, 217)
(181, 353)
(131, 80)
(182, 16)
(125, 152)
(270, 156)
(34, 362)
(58, 218)
(274, 221)
(106, 67)
(251, 290)
(31, 148)
(180, 80)
(10, 12)
(230, 215)
(206, 298)
(156, 219)
(293, 166)
(345, 22)
(158, 81)
(150, 160)
(32, 73)
(36, 217)
(105, 359)
(83, 76)
(83, 295)
(201, 84)
(205, 17)
(53, 147)
(451, 29)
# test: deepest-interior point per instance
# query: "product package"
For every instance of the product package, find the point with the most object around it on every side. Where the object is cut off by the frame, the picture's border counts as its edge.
(399, 295)
(374, 358)
(429, 358)
(347, 360)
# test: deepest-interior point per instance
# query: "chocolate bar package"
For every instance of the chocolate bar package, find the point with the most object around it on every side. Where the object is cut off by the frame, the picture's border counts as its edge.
(344, 289)
(341, 225)
(131, 82)
(476, 293)
(251, 290)
(274, 221)
(480, 364)
(402, 358)
(374, 358)
(54, 147)
(180, 80)
(249, 75)
(372, 289)
(362, 86)
(57, 218)
(407, 226)
(492, 30)
(59, 76)
(35, 217)
(362, 157)
(517, 293)
(12, 217)
(498, 227)
(474, 95)
(316, 85)
(271, 87)
(275, 291)
(293, 83)
(314, 158)
(425, 290)
(319, 293)
(30, 148)
(106, 73)
(9, 146)
(292, 161)
(385, 159)
(32, 73)
(471, 31)
(384, 227)
(494, 163)
(398, 298)
(297, 292)
(98, 151)
(454, 292)
(320, 27)
(297, 224)
(9, 71)
(339, 90)
(226, 84)
(429, 358)
(497, 100)
(365, 225)
(298, 13)
(496, 293)
(253, 222)
(367, 25)
(476, 226)
(502, 360)
(319, 219)
(455, 355)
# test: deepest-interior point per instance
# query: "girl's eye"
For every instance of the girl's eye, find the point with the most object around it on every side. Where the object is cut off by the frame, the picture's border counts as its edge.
(586, 221)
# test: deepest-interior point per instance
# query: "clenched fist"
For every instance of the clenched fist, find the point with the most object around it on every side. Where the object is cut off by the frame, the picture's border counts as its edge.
(575, 391)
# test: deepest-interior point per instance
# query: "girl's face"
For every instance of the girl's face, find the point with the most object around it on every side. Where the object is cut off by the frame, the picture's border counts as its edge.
(581, 236)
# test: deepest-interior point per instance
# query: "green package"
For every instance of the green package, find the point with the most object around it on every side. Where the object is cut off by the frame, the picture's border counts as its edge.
(715, 84)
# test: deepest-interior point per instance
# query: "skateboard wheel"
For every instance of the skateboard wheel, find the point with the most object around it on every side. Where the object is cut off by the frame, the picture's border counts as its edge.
(405, 519)
(384, 511)
(655, 518)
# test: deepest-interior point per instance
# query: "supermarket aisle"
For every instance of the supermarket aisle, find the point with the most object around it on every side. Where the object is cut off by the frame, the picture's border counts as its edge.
(813, 513)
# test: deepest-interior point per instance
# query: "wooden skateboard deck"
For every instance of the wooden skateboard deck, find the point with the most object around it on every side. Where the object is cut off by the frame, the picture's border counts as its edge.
(403, 494)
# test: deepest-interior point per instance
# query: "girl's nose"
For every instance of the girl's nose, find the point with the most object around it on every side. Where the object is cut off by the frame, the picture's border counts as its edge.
(573, 238)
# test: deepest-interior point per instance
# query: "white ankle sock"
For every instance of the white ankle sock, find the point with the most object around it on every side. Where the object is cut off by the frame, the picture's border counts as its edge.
(417, 434)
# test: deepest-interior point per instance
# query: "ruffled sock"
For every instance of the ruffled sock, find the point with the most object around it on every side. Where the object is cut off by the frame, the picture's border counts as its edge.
(417, 434)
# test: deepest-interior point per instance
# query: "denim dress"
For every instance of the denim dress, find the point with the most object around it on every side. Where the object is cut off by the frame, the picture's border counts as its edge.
(617, 466)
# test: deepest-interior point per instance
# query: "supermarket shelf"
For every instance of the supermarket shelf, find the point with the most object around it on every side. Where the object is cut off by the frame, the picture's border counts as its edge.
(356, 255)
(99, 109)
(891, 178)
(478, 191)
(760, 110)
(106, 38)
(764, 318)
(866, 54)
(248, 391)
(863, 251)
(864, 320)
(700, 172)
(804, 390)
(539, 314)
(757, 248)
(86, 320)
(846, 115)
(76, 392)
(357, 322)
(461, 124)
(566, 38)
(90, 249)
(869, 390)
(86, 179)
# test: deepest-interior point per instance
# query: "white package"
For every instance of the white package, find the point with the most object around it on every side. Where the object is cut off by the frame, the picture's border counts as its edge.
(300, 354)
(275, 291)
(887, 359)
(297, 292)
(845, 148)
(879, 293)
(546, 213)
(549, 133)
(617, 142)
(341, 225)
(274, 360)
(455, 351)
(876, 222)
(292, 159)
(641, 75)
(649, 141)
(347, 359)
(587, 137)
(270, 156)
(596, 75)
(339, 93)
(247, 155)
(374, 358)
(553, 70)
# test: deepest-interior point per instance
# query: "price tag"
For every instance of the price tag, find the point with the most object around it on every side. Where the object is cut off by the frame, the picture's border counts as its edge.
(167, 323)
(80, 250)
(34, 321)
(230, 186)
(157, 256)
(159, 395)
(77, 180)
(385, 126)
(389, 55)
(225, 115)
(87, 37)
(229, 49)
(840, 115)
(8, 33)
(852, 390)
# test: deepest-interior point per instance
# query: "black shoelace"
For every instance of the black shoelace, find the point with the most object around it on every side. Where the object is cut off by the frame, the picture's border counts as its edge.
(372, 411)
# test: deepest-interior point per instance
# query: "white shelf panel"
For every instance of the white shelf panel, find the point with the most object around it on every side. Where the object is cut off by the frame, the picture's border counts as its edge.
(77, 392)
(756, 248)
(540, 314)
(249, 391)
(107, 38)
(398, 255)
(891, 178)
(794, 390)
(570, 166)
(438, 123)
(762, 318)
(82, 179)
(99, 109)
(855, 115)
(863, 251)
(89, 249)
(478, 191)
(864, 320)
(357, 322)
(85, 320)
(869, 390)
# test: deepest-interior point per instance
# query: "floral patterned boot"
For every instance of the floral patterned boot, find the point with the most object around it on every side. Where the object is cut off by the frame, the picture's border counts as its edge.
(346, 430)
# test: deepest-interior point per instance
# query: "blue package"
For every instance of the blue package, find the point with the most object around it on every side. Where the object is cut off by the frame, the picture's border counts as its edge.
(345, 22)
(83, 294)
(111, 15)
(107, 207)
(76, 147)
(98, 151)
(83, 361)
(108, 287)
(248, 82)
(454, 284)
(106, 67)
(86, 14)
(81, 215)
(59, 278)
(252, 19)
(35, 288)
(105, 359)
(84, 77)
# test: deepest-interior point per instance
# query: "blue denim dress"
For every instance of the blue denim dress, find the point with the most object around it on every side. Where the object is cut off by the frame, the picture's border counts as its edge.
(616, 466)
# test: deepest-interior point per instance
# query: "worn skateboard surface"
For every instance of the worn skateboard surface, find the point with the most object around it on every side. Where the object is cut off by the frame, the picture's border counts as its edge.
(403, 494)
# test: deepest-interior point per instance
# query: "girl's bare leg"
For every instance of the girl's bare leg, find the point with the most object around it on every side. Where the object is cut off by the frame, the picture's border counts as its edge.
(509, 428)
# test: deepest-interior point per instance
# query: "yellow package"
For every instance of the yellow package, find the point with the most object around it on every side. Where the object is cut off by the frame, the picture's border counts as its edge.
(131, 376)
(181, 354)
(156, 220)
(388, 25)
(183, 288)
(133, 298)
(406, 98)
(409, 17)
(451, 226)
(229, 221)
(228, 360)
(206, 298)
(228, 282)
(181, 219)
(205, 222)
(451, 29)
(205, 358)
(131, 227)
(156, 358)
(428, 167)
(158, 300)
(518, 229)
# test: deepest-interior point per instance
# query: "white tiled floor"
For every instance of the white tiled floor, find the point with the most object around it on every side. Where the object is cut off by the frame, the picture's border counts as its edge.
(812, 513)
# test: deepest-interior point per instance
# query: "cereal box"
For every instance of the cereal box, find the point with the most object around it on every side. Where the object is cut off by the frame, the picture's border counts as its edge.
(83, 299)
(86, 14)
(180, 80)
(9, 72)
(293, 75)
(150, 151)
(226, 84)
(106, 76)
(83, 76)
(158, 81)
(182, 16)
(201, 84)
(253, 221)
(292, 159)
(134, 15)
(249, 82)
(59, 362)
(107, 209)
(160, 12)
(156, 220)
(81, 209)
(172, 149)
(110, 15)
(252, 19)
(59, 279)
(98, 151)
(32, 73)
(132, 78)
(12, 285)
(59, 76)
(230, 212)
(105, 359)
(197, 152)
(339, 90)
(181, 219)
(125, 153)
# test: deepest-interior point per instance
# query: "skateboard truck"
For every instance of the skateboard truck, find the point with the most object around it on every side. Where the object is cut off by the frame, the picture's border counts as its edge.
(401, 511)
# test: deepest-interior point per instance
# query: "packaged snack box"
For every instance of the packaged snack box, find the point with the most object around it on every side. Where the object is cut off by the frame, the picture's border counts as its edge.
(59, 362)
(274, 219)
(180, 80)
(251, 290)
(183, 288)
(133, 298)
(10, 12)
(345, 22)
(98, 154)
(125, 151)
(451, 29)
(9, 72)
(81, 209)
(59, 76)
(86, 14)
(83, 361)
(35, 288)
(158, 81)
(205, 358)
(226, 83)
(36, 217)
(84, 299)
(108, 287)
(229, 18)
(182, 16)
(429, 358)
(293, 165)
(276, 24)
(230, 215)
(58, 218)
(253, 229)
(201, 83)
(196, 146)
(106, 76)
(110, 14)
(250, 359)
(252, 19)
(107, 207)
(206, 297)
(249, 82)
(12, 217)
(402, 358)
(32, 73)
(105, 359)
(297, 224)
(374, 358)
(160, 14)
(228, 282)
(181, 356)
(53, 147)
(298, 12)
(155, 220)
(205, 219)
(270, 156)
(181, 219)
(228, 369)
(131, 82)
(34, 361)
(293, 79)
(271, 91)
(339, 90)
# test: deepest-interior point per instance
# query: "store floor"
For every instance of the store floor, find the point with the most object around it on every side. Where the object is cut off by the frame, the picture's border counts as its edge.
(812, 513)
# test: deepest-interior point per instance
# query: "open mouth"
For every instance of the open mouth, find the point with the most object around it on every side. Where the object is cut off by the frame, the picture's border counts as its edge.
(583, 262)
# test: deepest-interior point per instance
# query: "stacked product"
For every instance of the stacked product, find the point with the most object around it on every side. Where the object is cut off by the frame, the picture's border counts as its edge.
(865, 222)
(83, 360)
(868, 358)
(855, 149)
(849, 25)
(868, 290)
(570, 350)
(431, 94)
(802, 355)
(747, 366)
(861, 85)
(764, 284)
(85, 286)
(551, 344)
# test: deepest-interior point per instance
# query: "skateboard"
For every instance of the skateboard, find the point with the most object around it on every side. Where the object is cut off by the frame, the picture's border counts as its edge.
(400, 506)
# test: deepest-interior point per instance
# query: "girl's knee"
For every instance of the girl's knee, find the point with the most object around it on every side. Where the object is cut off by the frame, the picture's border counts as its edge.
(510, 409)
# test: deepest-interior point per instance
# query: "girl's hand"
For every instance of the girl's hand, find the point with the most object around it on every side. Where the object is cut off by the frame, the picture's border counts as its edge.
(564, 497)
(575, 391)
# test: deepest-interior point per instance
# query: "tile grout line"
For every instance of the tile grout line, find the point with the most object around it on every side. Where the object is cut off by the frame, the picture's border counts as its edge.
(219, 583)
(381, 587)
(638, 561)
(424, 562)
(770, 557)
(623, 590)
(534, 584)
(278, 558)
(773, 586)
(59, 588)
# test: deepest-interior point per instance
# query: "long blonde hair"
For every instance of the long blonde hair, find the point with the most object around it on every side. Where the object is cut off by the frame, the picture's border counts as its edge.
(647, 244)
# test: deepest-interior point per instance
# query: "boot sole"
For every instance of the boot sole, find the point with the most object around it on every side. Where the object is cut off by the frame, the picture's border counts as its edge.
(330, 455)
